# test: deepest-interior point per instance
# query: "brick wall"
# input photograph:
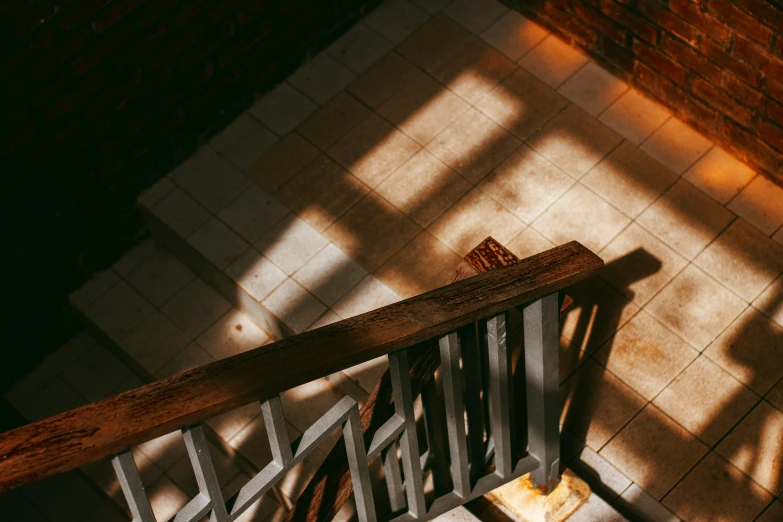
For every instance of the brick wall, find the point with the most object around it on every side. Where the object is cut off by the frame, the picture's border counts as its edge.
(717, 63)
(99, 98)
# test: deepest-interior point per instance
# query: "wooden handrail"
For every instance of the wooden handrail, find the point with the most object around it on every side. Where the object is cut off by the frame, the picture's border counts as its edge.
(84, 435)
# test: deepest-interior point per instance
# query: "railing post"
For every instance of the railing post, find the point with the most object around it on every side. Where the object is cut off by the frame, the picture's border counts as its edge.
(541, 333)
(132, 487)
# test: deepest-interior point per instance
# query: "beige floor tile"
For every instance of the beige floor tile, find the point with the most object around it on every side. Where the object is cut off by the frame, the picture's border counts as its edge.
(778, 236)
(255, 274)
(192, 356)
(433, 42)
(720, 175)
(232, 334)
(294, 305)
(217, 243)
(166, 498)
(775, 396)
(372, 231)
(183, 476)
(676, 145)
(228, 425)
(69, 352)
(695, 307)
(252, 443)
(290, 244)
(368, 374)
(685, 219)
(716, 490)
(596, 405)
(645, 355)
(755, 446)
(432, 6)
(653, 451)
(423, 187)
(473, 145)
(526, 184)
(195, 308)
(770, 302)
(574, 141)
(94, 377)
(134, 257)
(522, 103)
(593, 88)
(155, 193)
(359, 48)
(471, 220)
(154, 342)
(597, 313)
(321, 78)
(282, 109)
(305, 404)
(644, 505)
(583, 216)
(514, 35)
(326, 319)
(381, 81)
(95, 287)
(528, 243)
(638, 265)
(322, 192)
(370, 294)
(243, 141)
(761, 204)
(422, 265)
(332, 121)
(476, 15)
(282, 162)
(706, 400)
(629, 179)
(118, 311)
(743, 259)
(58, 397)
(423, 108)
(396, 19)
(773, 512)
(209, 179)
(330, 274)
(473, 69)
(373, 150)
(634, 116)
(180, 213)
(750, 350)
(553, 61)
(253, 213)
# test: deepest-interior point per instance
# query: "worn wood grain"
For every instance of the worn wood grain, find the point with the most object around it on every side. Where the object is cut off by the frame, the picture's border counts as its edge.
(78, 437)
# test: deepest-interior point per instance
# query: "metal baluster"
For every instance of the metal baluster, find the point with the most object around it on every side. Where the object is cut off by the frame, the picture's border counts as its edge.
(433, 428)
(499, 394)
(276, 431)
(471, 367)
(132, 487)
(209, 488)
(357, 463)
(391, 469)
(455, 413)
(403, 405)
(542, 374)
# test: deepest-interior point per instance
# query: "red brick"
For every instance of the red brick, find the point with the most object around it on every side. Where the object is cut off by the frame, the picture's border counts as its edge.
(716, 98)
(152, 11)
(671, 95)
(744, 93)
(779, 45)
(744, 71)
(58, 55)
(115, 12)
(752, 53)
(75, 97)
(140, 49)
(570, 25)
(771, 133)
(190, 10)
(619, 56)
(40, 14)
(175, 46)
(650, 56)
(206, 45)
(101, 49)
(775, 112)
(688, 56)
(694, 13)
(668, 20)
(636, 24)
(600, 22)
(773, 88)
(740, 20)
(80, 13)
(765, 11)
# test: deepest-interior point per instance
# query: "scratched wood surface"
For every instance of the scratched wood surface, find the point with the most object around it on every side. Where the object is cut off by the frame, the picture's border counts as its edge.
(87, 434)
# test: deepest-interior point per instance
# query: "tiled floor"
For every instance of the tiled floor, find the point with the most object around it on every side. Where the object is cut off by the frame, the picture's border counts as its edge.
(362, 180)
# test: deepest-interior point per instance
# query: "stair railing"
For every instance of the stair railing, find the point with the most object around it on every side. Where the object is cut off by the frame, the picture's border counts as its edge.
(473, 461)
